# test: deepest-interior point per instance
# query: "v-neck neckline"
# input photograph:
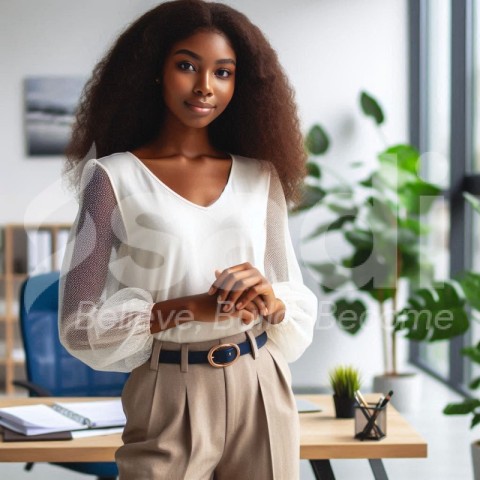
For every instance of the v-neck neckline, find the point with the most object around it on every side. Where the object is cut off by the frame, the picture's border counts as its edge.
(186, 200)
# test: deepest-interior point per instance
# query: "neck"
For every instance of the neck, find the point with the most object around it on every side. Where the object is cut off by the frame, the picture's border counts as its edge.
(177, 139)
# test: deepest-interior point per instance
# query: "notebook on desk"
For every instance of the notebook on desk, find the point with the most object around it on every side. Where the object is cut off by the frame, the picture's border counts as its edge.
(304, 406)
(43, 419)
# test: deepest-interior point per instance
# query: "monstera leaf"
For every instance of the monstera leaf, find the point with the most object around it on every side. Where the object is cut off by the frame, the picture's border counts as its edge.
(470, 405)
(350, 315)
(470, 282)
(435, 313)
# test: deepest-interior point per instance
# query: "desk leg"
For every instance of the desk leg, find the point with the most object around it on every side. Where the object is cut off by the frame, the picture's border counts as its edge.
(322, 469)
(378, 469)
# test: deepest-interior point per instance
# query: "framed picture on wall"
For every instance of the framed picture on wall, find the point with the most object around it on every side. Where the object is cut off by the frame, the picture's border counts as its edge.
(49, 110)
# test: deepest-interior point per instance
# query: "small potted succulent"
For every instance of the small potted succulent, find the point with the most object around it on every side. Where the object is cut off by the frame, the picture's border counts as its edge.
(345, 381)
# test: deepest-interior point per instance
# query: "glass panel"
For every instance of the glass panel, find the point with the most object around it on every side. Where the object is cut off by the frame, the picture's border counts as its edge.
(474, 333)
(436, 248)
(436, 160)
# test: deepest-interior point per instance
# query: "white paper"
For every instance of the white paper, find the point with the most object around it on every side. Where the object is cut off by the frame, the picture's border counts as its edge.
(101, 413)
(96, 432)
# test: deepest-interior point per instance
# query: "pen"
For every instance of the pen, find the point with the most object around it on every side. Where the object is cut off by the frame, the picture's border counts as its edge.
(360, 396)
(387, 398)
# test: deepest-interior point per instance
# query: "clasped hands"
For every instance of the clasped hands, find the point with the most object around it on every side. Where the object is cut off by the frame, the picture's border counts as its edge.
(245, 293)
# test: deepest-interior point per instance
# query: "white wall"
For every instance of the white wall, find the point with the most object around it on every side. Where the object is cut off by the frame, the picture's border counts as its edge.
(331, 49)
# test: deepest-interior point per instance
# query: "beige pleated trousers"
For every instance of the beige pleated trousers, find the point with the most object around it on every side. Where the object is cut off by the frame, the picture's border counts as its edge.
(197, 422)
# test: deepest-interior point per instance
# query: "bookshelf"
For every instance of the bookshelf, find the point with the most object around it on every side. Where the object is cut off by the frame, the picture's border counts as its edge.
(25, 249)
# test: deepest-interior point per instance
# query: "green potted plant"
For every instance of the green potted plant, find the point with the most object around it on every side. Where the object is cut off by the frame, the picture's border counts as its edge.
(345, 381)
(379, 217)
(470, 282)
(470, 406)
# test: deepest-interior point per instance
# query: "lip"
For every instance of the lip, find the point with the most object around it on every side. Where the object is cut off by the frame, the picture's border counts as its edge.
(200, 107)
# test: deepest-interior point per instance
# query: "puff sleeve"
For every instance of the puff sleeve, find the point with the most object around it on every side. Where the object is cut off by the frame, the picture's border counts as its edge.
(295, 332)
(101, 321)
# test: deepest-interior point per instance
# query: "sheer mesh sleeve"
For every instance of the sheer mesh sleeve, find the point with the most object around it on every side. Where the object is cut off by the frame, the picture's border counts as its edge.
(294, 333)
(101, 322)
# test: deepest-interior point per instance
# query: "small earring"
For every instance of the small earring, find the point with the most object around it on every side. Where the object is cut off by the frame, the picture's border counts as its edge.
(157, 81)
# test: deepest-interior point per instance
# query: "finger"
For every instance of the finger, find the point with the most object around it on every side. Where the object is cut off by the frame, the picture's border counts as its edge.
(252, 307)
(262, 308)
(258, 302)
(214, 288)
(271, 301)
(245, 315)
(244, 282)
(248, 316)
(220, 278)
(262, 293)
(237, 283)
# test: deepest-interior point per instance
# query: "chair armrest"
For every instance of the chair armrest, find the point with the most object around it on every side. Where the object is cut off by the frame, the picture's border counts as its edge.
(33, 388)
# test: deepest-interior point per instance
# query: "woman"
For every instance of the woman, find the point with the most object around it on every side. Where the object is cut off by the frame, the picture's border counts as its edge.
(180, 267)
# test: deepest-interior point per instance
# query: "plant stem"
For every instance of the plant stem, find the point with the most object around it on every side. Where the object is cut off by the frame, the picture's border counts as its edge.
(382, 136)
(384, 333)
(325, 166)
(394, 334)
(394, 311)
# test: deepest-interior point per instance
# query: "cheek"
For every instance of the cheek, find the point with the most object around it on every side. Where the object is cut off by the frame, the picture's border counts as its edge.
(175, 84)
(227, 92)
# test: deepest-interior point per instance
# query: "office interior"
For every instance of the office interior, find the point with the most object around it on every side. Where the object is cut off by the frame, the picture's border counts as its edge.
(420, 59)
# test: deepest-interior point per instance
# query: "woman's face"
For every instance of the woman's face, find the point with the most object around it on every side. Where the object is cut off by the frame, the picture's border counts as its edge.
(199, 78)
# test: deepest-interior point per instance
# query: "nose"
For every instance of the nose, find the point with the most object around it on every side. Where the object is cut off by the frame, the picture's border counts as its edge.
(203, 86)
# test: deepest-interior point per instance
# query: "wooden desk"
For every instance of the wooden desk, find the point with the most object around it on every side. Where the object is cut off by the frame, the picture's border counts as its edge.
(323, 437)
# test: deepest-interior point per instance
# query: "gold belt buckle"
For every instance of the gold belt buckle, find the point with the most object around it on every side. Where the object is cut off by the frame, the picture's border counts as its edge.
(212, 351)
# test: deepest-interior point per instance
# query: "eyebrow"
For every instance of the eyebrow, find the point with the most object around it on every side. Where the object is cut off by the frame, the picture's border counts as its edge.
(198, 57)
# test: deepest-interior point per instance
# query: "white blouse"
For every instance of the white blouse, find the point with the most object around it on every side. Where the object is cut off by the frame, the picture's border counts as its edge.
(136, 242)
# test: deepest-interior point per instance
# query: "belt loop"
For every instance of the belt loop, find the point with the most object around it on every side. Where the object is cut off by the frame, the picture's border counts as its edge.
(157, 348)
(184, 358)
(253, 343)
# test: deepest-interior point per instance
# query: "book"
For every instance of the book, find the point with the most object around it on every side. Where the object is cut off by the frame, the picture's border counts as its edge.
(41, 419)
(11, 436)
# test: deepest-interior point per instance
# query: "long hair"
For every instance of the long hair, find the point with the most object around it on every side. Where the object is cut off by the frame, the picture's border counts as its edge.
(121, 107)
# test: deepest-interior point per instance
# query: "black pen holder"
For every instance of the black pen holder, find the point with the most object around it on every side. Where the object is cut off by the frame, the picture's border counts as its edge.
(371, 422)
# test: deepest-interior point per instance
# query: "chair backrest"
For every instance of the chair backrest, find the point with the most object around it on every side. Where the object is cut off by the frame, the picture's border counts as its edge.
(48, 364)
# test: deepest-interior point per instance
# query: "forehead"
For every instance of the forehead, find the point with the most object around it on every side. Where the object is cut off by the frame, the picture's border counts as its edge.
(206, 44)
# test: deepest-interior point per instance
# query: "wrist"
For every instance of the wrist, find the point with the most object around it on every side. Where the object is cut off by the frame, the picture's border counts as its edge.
(170, 313)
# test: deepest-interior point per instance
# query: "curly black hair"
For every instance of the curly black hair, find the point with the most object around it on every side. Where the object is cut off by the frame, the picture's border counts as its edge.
(121, 107)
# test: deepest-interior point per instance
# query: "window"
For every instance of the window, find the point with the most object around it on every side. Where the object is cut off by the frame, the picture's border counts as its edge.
(445, 126)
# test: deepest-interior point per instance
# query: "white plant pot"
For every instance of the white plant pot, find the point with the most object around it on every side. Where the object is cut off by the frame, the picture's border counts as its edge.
(475, 448)
(407, 390)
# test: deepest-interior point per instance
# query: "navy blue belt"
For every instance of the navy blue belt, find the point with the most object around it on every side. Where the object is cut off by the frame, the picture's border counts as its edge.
(218, 356)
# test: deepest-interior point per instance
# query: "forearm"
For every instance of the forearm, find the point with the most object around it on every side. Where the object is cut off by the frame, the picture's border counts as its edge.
(173, 312)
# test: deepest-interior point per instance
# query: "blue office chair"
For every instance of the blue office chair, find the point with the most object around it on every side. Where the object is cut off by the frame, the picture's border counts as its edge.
(50, 369)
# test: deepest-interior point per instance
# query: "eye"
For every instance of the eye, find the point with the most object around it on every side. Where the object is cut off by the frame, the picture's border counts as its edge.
(186, 66)
(223, 73)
